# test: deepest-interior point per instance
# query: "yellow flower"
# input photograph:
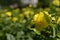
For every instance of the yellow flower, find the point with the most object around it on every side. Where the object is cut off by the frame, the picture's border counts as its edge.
(58, 21)
(56, 2)
(14, 19)
(40, 21)
(53, 18)
(21, 15)
(35, 17)
(27, 13)
(47, 13)
(23, 21)
(9, 13)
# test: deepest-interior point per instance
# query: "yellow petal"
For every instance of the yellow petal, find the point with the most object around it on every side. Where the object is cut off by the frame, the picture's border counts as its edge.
(14, 19)
(53, 18)
(40, 21)
(9, 13)
(56, 2)
(58, 21)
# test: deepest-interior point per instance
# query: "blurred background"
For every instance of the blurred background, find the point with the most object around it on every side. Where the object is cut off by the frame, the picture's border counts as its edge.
(24, 3)
(29, 19)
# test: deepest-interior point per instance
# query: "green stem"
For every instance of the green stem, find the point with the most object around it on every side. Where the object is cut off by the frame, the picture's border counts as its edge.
(54, 32)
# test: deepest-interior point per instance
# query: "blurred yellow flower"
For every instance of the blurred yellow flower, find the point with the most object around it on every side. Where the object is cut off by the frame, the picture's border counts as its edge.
(21, 15)
(27, 13)
(46, 12)
(56, 2)
(24, 21)
(24, 9)
(14, 19)
(53, 18)
(30, 5)
(49, 15)
(58, 21)
(9, 13)
(40, 21)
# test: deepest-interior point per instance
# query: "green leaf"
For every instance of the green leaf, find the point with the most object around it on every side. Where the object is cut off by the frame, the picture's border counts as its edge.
(47, 18)
(10, 37)
(1, 33)
(58, 34)
(37, 32)
(18, 35)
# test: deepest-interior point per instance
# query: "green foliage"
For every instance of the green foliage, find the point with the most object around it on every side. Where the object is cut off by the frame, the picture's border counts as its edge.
(17, 24)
